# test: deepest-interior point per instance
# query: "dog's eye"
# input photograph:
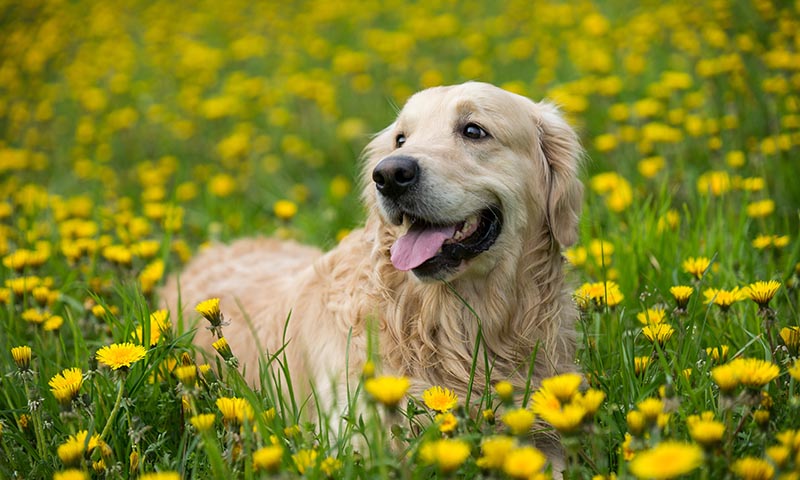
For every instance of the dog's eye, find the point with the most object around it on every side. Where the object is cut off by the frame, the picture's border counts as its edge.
(474, 131)
(399, 140)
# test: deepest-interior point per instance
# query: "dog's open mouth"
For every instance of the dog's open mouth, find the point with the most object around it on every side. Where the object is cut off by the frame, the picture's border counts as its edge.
(428, 248)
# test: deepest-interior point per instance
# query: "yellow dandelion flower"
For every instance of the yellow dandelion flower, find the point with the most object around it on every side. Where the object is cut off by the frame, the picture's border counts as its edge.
(209, 309)
(794, 371)
(305, 460)
(120, 355)
(186, 374)
(203, 422)
(599, 294)
(705, 430)
(285, 209)
(330, 466)
(71, 474)
(681, 293)
(566, 419)
(235, 410)
(726, 378)
(387, 390)
(66, 385)
(660, 333)
(576, 256)
(640, 364)
(718, 354)
(752, 468)
(590, 400)
(762, 292)
(761, 208)
(714, 182)
(519, 420)
(53, 323)
(762, 241)
(159, 323)
(160, 476)
(667, 460)
(268, 458)
(779, 454)
(696, 266)
(755, 373)
(523, 462)
(724, 298)
(651, 316)
(447, 422)
(505, 390)
(446, 454)
(494, 450)
(439, 399)
(636, 422)
(73, 449)
(563, 386)
(22, 356)
(651, 408)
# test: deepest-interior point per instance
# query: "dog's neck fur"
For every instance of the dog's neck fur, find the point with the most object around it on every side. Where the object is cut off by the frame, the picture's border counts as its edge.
(515, 312)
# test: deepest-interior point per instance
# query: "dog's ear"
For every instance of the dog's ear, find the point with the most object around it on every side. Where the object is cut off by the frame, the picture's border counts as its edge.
(562, 153)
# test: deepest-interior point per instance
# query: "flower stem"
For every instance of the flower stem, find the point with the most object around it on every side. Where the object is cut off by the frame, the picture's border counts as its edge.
(37, 423)
(114, 410)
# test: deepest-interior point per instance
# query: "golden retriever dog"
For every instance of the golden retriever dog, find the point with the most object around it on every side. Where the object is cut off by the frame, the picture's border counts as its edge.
(472, 190)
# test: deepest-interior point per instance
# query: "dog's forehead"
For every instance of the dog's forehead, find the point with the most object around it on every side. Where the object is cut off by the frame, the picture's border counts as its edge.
(473, 101)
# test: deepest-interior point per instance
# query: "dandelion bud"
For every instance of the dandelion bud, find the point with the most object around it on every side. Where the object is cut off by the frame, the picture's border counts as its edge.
(504, 390)
(222, 347)
(134, 461)
(186, 374)
(22, 356)
(209, 309)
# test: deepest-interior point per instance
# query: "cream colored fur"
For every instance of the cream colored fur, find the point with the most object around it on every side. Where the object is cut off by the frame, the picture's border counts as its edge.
(529, 167)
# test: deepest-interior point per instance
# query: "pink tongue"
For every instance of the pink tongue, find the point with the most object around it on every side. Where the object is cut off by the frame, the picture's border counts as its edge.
(418, 245)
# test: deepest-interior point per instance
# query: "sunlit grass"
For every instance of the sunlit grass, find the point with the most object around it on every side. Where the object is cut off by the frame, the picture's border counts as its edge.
(134, 132)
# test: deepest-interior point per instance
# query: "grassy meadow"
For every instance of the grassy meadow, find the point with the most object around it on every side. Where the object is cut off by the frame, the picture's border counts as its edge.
(134, 132)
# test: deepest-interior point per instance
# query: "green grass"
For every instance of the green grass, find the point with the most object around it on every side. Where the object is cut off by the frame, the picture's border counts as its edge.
(153, 127)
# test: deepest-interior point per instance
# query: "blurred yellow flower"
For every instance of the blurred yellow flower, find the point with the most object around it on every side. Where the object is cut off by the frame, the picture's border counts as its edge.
(649, 167)
(652, 316)
(285, 209)
(203, 422)
(494, 450)
(268, 458)
(761, 208)
(446, 454)
(564, 386)
(519, 420)
(387, 390)
(447, 422)
(723, 298)
(668, 459)
(523, 462)
(718, 354)
(791, 338)
(235, 410)
(439, 399)
(598, 294)
(715, 183)
(752, 468)
(71, 474)
(705, 430)
(696, 266)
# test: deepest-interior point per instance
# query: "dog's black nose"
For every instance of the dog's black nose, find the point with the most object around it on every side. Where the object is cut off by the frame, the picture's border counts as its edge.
(395, 175)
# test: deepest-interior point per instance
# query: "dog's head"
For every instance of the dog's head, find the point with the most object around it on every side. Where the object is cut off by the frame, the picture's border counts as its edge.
(465, 172)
